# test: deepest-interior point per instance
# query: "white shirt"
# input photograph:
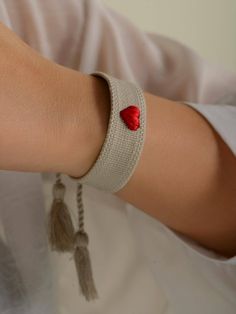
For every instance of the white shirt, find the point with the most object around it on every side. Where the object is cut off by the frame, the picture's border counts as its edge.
(140, 266)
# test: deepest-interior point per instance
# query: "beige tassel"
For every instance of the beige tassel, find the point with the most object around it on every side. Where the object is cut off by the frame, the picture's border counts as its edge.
(83, 266)
(61, 230)
(81, 255)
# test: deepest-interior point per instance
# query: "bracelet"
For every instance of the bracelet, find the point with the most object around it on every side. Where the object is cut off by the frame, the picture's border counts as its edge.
(124, 140)
(113, 168)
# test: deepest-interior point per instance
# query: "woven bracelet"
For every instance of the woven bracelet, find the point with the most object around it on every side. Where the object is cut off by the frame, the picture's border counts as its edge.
(113, 168)
(124, 140)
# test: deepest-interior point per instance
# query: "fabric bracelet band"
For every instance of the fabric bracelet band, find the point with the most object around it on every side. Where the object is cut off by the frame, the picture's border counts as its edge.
(123, 143)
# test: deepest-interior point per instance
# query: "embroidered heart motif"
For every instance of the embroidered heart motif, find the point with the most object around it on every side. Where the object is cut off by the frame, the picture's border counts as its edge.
(130, 116)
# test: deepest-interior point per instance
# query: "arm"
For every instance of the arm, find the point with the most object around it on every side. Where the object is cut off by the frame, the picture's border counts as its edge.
(58, 106)
(186, 176)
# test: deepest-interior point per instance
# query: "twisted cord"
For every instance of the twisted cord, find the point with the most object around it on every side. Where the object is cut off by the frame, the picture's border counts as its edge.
(58, 177)
(80, 207)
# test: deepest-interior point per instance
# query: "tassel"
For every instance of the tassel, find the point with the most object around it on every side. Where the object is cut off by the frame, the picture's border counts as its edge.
(62, 237)
(83, 266)
(61, 230)
(81, 254)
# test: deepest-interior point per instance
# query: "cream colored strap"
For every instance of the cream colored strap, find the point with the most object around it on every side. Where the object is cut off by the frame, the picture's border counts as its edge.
(122, 147)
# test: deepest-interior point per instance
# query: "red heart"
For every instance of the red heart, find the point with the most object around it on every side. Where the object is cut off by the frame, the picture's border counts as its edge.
(130, 116)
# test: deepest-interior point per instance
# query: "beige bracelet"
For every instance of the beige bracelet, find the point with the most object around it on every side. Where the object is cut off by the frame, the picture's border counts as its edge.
(111, 171)
(124, 140)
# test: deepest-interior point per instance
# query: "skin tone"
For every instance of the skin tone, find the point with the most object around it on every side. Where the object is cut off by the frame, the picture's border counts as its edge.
(54, 119)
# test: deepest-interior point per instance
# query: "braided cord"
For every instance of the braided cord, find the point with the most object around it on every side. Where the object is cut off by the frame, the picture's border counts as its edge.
(58, 177)
(80, 207)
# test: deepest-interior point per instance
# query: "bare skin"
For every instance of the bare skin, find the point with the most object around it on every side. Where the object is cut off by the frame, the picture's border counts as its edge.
(55, 119)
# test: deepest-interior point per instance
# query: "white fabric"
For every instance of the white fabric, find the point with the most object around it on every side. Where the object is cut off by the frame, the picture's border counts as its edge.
(140, 266)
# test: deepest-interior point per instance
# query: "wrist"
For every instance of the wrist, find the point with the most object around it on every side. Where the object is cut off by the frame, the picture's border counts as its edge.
(81, 121)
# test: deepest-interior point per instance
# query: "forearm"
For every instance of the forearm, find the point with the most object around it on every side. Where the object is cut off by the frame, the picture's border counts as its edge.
(55, 119)
(185, 176)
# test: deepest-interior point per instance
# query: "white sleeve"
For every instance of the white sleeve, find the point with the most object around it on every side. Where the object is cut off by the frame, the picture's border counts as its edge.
(89, 36)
